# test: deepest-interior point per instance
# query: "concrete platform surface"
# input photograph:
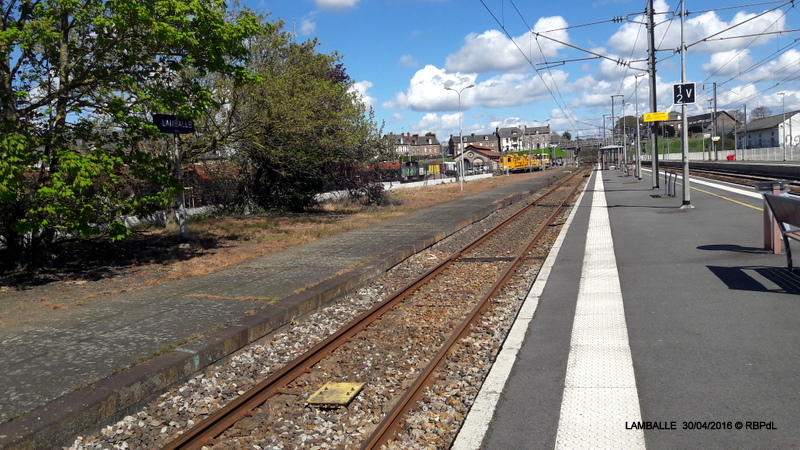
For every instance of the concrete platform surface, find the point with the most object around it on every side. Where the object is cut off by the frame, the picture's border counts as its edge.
(685, 301)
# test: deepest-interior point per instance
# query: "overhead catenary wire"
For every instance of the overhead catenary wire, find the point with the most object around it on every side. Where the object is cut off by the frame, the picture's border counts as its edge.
(628, 64)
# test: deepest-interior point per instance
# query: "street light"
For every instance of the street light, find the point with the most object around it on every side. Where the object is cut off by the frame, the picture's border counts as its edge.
(614, 125)
(783, 131)
(638, 131)
(541, 156)
(460, 132)
(624, 137)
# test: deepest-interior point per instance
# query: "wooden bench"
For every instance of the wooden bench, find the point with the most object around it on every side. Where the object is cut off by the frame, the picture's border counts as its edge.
(786, 211)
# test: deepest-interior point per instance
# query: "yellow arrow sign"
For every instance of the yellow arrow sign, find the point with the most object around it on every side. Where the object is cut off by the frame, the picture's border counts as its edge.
(656, 117)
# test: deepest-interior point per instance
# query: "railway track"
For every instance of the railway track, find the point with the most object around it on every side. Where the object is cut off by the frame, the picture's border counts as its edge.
(394, 353)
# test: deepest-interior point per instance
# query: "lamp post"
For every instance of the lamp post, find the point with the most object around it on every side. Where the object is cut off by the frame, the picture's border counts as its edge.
(527, 141)
(783, 124)
(605, 143)
(624, 136)
(460, 132)
(614, 125)
(638, 131)
(541, 159)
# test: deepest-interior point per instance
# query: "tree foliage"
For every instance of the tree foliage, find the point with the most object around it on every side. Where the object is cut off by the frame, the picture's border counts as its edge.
(78, 82)
(303, 128)
(760, 112)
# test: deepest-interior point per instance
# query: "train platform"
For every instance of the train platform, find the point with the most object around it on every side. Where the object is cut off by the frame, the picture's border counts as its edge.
(651, 326)
(67, 372)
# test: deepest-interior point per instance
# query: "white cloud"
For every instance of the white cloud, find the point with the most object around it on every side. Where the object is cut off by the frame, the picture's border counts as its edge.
(338, 5)
(493, 51)
(547, 48)
(490, 51)
(728, 64)
(704, 33)
(738, 64)
(433, 121)
(307, 26)
(709, 25)
(408, 61)
(361, 89)
(426, 91)
(509, 90)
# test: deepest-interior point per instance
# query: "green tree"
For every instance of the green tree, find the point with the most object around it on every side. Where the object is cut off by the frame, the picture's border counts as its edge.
(305, 129)
(78, 82)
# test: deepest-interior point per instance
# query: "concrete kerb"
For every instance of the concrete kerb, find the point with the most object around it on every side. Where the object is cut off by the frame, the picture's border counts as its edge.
(111, 399)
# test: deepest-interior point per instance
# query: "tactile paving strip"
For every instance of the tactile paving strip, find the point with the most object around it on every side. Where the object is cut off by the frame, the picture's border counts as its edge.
(609, 410)
(600, 395)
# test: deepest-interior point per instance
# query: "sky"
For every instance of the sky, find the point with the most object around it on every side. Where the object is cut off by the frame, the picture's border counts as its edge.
(563, 63)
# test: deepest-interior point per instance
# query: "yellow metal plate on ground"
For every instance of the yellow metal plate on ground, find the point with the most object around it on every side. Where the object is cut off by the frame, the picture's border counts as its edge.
(656, 117)
(335, 395)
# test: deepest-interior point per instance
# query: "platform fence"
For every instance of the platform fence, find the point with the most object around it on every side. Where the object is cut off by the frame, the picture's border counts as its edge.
(751, 154)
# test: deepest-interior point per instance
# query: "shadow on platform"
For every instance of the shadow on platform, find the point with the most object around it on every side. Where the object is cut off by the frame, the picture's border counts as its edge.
(738, 278)
(732, 248)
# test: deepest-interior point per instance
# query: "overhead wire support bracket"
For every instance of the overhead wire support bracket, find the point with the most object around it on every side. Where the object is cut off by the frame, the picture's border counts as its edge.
(551, 64)
(617, 61)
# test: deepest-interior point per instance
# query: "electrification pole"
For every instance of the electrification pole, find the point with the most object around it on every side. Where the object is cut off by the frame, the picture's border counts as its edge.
(651, 48)
(684, 124)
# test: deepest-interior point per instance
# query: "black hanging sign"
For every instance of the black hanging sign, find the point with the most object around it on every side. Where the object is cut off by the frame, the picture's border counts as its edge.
(170, 124)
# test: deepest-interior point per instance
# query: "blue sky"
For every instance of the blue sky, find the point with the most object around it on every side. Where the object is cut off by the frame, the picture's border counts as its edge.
(402, 53)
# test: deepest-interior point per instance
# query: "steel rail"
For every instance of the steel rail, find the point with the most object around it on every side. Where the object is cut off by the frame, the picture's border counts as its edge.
(391, 424)
(206, 432)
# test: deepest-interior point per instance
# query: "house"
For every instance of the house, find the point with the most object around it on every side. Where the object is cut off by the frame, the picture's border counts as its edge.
(504, 140)
(426, 145)
(487, 141)
(510, 139)
(416, 145)
(536, 138)
(701, 123)
(720, 122)
(770, 131)
(479, 159)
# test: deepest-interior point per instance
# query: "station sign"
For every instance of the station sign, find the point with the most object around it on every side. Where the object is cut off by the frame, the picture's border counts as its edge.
(683, 93)
(656, 117)
(171, 124)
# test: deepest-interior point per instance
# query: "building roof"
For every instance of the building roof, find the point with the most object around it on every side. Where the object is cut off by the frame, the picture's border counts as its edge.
(478, 137)
(414, 139)
(767, 123)
(509, 132)
(483, 151)
(424, 140)
(707, 116)
(537, 130)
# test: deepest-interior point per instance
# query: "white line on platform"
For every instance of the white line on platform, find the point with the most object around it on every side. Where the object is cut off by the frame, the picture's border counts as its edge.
(600, 396)
(735, 190)
(480, 415)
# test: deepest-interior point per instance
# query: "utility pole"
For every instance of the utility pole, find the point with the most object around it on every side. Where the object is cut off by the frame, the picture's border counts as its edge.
(714, 124)
(651, 49)
(746, 137)
(684, 123)
(614, 129)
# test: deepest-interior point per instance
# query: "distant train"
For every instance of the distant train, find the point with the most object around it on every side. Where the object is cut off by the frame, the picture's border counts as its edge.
(514, 162)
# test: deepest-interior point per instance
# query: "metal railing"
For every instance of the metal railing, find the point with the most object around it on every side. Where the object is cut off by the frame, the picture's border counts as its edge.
(750, 154)
(670, 183)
